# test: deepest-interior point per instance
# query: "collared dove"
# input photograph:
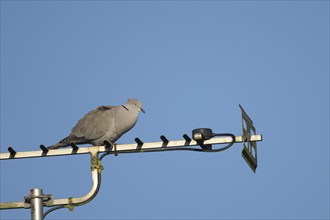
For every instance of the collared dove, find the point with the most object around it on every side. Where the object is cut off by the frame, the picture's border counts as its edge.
(105, 123)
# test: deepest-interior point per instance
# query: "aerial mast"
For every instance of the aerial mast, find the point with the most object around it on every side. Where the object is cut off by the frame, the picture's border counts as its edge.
(202, 140)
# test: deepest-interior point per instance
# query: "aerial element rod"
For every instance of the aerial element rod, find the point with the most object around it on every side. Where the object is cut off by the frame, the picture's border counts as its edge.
(122, 147)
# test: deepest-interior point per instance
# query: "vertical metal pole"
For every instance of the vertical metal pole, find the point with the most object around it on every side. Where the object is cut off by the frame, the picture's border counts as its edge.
(37, 204)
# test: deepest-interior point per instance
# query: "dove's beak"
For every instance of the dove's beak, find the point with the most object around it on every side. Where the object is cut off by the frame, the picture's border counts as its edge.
(142, 110)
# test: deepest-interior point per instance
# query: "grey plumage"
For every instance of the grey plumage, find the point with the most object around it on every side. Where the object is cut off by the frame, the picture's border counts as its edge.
(104, 123)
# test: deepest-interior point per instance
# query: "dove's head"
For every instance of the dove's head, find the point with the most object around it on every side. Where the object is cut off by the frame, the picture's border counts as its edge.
(137, 103)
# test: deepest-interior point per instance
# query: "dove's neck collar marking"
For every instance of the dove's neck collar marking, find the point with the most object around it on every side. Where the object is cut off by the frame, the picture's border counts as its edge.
(125, 107)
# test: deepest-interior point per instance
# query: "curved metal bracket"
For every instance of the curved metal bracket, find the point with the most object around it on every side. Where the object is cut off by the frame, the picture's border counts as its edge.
(96, 168)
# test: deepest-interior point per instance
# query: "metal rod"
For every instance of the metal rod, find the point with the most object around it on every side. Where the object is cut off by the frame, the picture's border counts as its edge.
(74, 147)
(44, 148)
(186, 137)
(37, 212)
(119, 147)
(11, 151)
(138, 141)
(164, 139)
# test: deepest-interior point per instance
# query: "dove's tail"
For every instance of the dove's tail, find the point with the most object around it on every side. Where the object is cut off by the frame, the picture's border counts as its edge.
(58, 145)
(71, 139)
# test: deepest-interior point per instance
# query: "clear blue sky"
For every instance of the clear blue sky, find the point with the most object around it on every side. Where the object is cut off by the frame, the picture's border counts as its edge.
(191, 63)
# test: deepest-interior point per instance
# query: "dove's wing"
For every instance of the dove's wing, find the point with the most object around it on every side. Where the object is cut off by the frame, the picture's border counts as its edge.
(95, 123)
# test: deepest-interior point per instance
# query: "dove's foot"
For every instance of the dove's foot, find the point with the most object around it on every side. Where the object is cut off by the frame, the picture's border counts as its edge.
(109, 146)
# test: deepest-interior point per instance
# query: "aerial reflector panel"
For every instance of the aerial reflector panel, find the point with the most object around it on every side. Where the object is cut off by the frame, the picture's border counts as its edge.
(249, 152)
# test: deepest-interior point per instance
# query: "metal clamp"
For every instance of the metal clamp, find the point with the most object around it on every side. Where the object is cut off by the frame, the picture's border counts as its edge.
(96, 163)
(27, 199)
